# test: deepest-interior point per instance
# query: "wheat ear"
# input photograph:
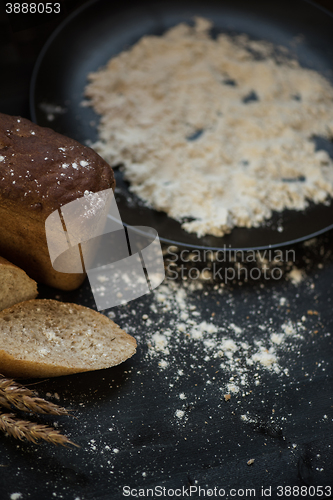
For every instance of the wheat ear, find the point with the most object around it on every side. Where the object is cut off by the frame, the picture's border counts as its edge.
(23, 429)
(15, 394)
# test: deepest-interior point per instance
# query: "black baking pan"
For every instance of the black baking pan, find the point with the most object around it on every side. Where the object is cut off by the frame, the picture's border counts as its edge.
(102, 29)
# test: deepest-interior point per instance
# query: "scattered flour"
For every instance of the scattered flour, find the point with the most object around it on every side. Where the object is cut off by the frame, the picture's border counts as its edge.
(241, 363)
(218, 130)
(95, 203)
(296, 276)
(52, 110)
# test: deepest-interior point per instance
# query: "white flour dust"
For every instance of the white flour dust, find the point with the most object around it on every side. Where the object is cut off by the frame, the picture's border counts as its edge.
(215, 130)
(182, 328)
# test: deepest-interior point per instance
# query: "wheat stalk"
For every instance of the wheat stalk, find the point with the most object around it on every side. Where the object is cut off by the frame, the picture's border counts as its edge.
(23, 429)
(15, 394)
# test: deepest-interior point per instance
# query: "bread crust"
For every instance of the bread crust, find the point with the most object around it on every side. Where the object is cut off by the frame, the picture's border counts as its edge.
(20, 368)
(15, 285)
(40, 171)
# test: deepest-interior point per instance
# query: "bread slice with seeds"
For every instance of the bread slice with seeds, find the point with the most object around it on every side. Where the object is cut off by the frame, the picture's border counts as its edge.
(15, 285)
(48, 338)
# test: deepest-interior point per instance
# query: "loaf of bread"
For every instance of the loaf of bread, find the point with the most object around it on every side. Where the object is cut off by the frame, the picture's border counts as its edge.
(15, 285)
(40, 171)
(48, 338)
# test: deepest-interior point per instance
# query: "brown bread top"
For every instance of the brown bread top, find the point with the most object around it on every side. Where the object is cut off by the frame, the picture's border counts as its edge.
(41, 170)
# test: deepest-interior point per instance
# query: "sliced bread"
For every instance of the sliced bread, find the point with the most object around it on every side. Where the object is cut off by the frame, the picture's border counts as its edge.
(15, 285)
(47, 338)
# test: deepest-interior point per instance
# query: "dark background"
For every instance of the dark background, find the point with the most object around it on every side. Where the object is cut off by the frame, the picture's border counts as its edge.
(21, 39)
(213, 447)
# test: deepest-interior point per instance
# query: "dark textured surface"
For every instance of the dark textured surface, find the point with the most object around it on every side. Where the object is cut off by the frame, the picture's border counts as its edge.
(131, 408)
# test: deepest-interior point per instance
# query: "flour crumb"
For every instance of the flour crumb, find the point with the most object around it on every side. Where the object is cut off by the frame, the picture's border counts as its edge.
(160, 342)
(163, 364)
(266, 357)
(283, 301)
(296, 276)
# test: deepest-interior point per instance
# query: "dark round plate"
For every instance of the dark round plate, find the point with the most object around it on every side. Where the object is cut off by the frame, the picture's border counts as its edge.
(101, 29)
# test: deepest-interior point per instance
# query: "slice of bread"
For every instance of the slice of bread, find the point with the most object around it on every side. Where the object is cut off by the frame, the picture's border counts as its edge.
(15, 285)
(48, 338)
